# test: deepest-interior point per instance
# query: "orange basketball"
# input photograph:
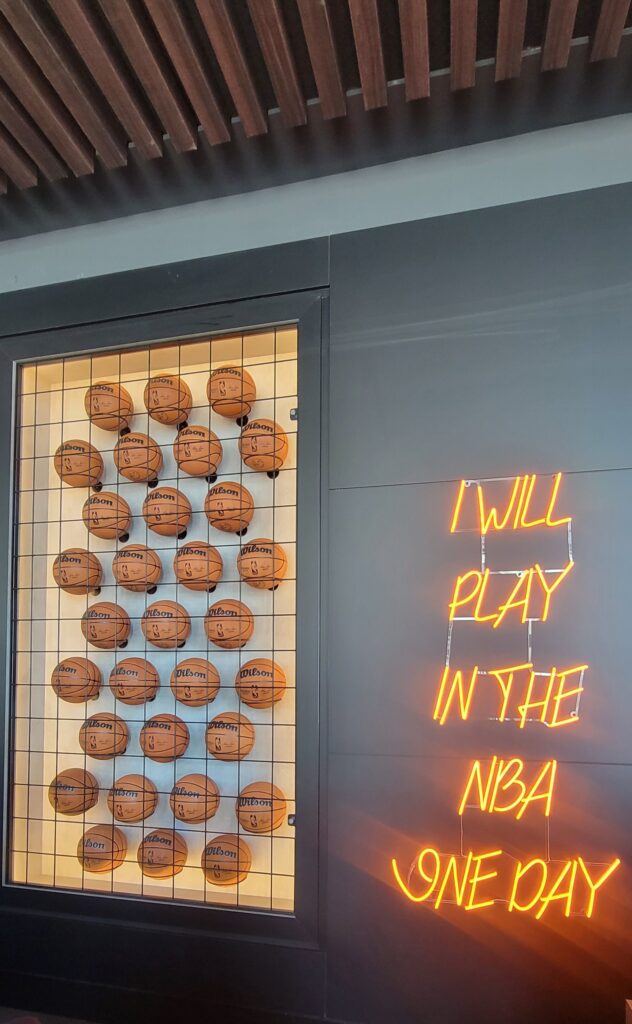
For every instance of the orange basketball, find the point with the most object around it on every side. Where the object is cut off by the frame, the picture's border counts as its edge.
(261, 807)
(168, 399)
(78, 571)
(164, 738)
(138, 457)
(263, 446)
(198, 566)
(260, 683)
(132, 798)
(229, 507)
(102, 848)
(104, 736)
(167, 512)
(109, 406)
(78, 464)
(195, 682)
(137, 568)
(106, 625)
(73, 791)
(226, 860)
(162, 854)
(198, 451)
(194, 798)
(76, 680)
(229, 624)
(107, 515)
(166, 624)
(231, 391)
(134, 681)
(230, 737)
(262, 564)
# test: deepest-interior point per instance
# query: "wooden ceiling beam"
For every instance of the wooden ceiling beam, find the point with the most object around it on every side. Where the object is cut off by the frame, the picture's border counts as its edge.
(268, 21)
(612, 18)
(29, 138)
(187, 61)
(322, 54)
(368, 43)
(35, 94)
(413, 20)
(559, 34)
(142, 55)
(103, 63)
(15, 164)
(512, 20)
(223, 37)
(463, 22)
(57, 66)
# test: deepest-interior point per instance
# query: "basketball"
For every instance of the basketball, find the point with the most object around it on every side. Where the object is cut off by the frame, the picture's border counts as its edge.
(76, 680)
(197, 451)
(78, 464)
(164, 738)
(261, 807)
(162, 854)
(263, 446)
(229, 507)
(262, 564)
(167, 512)
(106, 625)
(104, 736)
(107, 515)
(78, 571)
(166, 624)
(194, 798)
(231, 391)
(168, 399)
(137, 568)
(260, 683)
(198, 566)
(138, 458)
(132, 798)
(226, 860)
(195, 682)
(134, 681)
(230, 736)
(73, 791)
(109, 406)
(229, 624)
(102, 848)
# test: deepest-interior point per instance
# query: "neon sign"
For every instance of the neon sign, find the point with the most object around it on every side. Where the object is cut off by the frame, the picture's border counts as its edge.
(523, 696)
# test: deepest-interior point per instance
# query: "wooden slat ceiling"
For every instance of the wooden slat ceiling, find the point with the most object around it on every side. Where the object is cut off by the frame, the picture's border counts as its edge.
(83, 83)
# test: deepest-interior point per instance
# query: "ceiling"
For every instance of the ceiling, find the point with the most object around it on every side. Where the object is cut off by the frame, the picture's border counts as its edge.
(110, 106)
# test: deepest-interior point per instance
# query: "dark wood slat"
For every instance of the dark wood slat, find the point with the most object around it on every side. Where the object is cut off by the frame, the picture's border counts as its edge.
(220, 29)
(559, 34)
(413, 21)
(35, 94)
(368, 44)
(56, 64)
(34, 144)
(512, 19)
(16, 166)
(270, 28)
(322, 54)
(147, 63)
(612, 18)
(463, 21)
(3, 184)
(108, 72)
(185, 57)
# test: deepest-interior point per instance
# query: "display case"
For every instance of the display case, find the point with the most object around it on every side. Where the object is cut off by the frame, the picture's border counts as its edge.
(153, 642)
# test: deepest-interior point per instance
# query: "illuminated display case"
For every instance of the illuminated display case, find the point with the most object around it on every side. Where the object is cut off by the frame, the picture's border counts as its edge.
(155, 678)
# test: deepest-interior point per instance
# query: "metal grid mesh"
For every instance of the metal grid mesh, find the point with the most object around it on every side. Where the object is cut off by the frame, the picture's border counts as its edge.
(47, 624)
